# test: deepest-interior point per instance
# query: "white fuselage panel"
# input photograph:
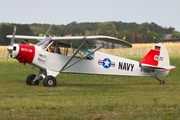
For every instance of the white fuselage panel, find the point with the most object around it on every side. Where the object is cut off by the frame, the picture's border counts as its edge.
(101, 64)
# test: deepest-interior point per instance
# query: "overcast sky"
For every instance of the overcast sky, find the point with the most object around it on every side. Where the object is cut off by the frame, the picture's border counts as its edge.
(163, 12)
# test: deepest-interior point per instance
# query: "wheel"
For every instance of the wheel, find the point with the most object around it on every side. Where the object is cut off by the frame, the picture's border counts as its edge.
(30, 78)
(162, 82)
(49, 81)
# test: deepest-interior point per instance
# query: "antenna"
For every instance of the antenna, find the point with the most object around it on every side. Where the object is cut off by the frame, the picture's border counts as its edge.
(48, 31)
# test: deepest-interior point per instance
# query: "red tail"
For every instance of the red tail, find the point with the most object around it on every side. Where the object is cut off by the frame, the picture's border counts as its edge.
(151, 57)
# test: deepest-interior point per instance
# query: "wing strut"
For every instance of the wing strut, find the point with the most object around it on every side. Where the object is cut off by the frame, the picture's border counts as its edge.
(82, 58)
(73, 55)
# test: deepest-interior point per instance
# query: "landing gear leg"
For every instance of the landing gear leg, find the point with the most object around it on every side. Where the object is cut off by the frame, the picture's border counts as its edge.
(160, 81)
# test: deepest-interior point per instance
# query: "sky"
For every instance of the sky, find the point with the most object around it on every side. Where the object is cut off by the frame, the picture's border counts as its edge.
(162, 12)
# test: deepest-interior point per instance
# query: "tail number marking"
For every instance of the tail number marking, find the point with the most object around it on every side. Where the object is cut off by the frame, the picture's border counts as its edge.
(146, 70)
(158, 58)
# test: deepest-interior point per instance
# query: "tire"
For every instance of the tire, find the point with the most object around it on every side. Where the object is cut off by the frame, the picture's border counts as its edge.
(30, 78)
(162, 82)
(49, 81)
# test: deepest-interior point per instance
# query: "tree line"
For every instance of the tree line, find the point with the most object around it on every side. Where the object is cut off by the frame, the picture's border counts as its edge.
(131, 32)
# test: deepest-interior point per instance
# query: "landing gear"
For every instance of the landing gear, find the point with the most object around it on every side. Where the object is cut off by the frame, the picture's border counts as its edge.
(49, 81)
(30, 80)
(160, 81)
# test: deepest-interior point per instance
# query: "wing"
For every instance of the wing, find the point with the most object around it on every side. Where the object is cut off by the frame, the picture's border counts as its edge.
(27, 39)
(92, 41)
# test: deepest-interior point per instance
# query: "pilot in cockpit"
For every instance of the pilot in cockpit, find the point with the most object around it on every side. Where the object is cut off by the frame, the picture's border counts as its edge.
(54, 48)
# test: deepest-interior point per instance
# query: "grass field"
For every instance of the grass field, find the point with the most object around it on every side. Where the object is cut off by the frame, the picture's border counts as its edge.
(89, 97)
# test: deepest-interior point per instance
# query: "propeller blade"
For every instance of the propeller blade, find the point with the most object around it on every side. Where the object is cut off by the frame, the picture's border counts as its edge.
(10, 47)
(12, 40)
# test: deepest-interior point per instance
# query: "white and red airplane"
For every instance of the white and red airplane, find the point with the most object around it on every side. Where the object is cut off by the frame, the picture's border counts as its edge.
(84, 58)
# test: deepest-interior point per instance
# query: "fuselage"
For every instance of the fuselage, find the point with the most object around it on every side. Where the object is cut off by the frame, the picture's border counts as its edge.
(101, 63)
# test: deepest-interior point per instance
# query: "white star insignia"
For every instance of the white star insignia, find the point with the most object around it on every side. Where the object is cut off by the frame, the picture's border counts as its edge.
(106, 63)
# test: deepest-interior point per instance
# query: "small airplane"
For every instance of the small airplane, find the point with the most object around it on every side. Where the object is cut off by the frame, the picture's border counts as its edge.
(79, 54)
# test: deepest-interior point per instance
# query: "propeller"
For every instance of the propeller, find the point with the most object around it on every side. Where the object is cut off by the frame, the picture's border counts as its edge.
(14, 32)
(10, 47)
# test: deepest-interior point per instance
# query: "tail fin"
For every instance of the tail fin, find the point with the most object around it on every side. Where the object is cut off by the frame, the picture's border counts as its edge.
(157, 58)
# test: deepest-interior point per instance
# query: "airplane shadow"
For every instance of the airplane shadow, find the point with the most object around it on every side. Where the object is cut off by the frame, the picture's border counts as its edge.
(89, 85)
(105, 85)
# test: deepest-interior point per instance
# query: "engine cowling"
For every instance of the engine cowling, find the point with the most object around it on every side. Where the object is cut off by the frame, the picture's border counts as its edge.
(23, 53)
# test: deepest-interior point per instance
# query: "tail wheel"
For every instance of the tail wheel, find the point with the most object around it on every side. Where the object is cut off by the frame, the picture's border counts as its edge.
(30, 78)
(162, 82)
(49, 81)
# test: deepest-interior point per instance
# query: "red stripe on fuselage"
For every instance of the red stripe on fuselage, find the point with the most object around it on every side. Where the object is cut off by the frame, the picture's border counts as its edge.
(26, 53)
(150, 58)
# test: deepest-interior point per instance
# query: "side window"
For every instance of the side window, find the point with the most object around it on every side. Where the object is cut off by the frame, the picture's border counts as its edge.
(86, 54)
(90, 54)
(54, 48)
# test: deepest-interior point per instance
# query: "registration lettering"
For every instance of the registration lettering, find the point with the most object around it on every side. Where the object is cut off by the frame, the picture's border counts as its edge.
(158, 58)
(26, 50)
(146, 70)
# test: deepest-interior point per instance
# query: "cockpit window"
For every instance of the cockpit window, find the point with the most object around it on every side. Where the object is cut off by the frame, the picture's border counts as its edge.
(85, 53)
(43, 41)
(54, 47)
(51, 46)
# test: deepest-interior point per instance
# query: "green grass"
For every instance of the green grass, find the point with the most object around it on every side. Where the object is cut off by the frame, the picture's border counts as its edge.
(88, 97)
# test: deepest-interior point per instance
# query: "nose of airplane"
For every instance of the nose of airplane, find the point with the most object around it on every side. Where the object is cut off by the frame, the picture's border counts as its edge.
(23, 53)
(13, 50)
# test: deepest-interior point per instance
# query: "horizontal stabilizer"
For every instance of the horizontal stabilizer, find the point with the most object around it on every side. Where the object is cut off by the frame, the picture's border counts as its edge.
(165, 68)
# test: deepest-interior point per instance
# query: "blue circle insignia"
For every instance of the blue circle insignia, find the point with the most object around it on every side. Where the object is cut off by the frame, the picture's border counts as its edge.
(106, 63)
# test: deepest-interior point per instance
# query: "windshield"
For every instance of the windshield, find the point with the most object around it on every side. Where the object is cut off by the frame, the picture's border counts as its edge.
(43, 41)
